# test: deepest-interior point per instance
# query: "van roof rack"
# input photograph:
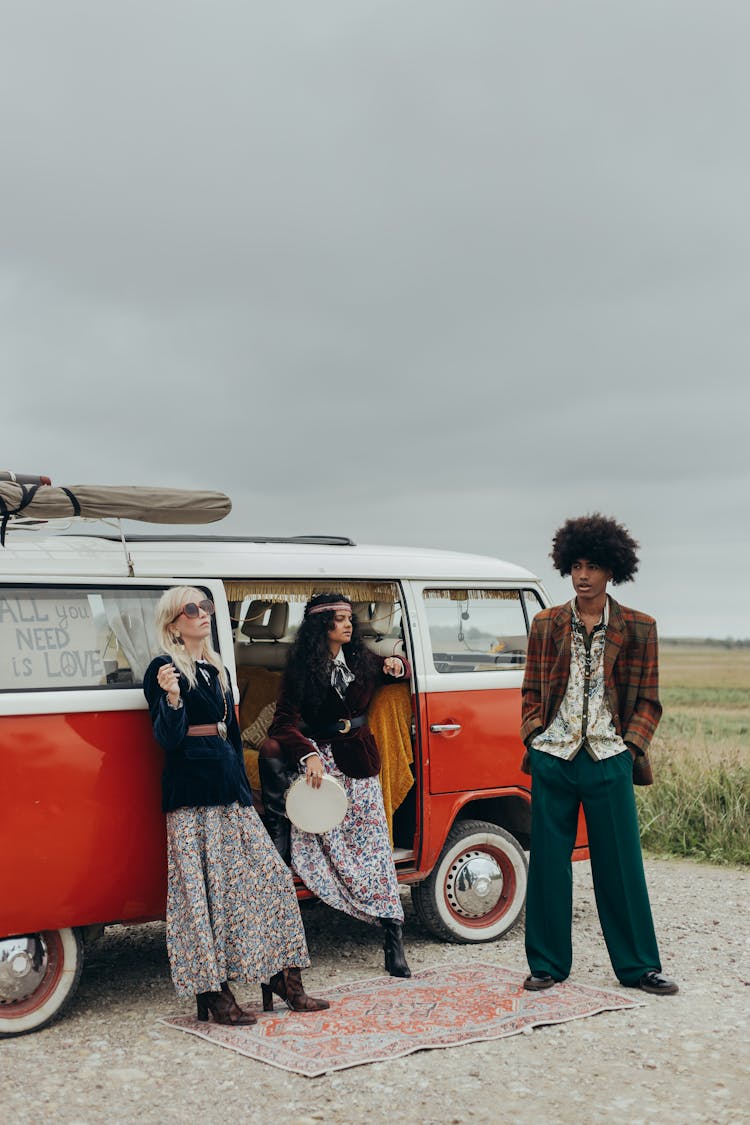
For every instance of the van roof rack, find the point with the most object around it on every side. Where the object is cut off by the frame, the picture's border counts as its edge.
(312, 540)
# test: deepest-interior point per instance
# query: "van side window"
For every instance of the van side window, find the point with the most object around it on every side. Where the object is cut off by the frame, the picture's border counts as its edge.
(533, 604)
(74, 637)
(477, 630)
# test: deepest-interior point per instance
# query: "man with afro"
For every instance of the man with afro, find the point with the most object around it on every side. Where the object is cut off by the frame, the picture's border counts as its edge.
(590, 706)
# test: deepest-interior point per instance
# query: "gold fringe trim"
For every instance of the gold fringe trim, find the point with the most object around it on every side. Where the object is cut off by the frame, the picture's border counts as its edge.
(295, 590)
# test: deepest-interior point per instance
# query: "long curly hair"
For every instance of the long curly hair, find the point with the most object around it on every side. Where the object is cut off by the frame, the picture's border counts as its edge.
(601, 540)
(308, 670)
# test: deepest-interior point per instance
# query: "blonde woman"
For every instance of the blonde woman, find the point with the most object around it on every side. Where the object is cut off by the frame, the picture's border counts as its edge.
(232, 910)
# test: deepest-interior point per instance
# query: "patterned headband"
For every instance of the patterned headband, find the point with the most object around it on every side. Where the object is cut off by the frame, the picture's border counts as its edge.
(333, 606)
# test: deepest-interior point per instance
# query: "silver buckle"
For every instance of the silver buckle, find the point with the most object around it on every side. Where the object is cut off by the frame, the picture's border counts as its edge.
(221, 730)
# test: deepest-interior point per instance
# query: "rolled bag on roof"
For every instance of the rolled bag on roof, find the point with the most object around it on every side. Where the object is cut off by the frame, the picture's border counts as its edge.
(152, 505)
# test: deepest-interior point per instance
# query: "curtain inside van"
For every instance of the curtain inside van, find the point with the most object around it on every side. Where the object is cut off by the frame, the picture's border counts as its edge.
(135, 630)
(296, 590)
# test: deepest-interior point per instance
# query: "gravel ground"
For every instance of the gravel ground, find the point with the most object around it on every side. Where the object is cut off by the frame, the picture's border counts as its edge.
(679, 1059)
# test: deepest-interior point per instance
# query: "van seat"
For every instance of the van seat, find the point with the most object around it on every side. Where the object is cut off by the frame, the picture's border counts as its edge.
(262, 655)
(257, 687)
(265, 621)
(264, 627)
(377, 627)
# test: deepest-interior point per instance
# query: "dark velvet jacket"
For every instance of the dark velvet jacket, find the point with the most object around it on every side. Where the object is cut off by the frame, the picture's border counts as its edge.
(199, 770)
(356, 754)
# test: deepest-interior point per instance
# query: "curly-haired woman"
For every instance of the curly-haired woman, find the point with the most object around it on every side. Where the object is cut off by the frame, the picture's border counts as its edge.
(232, 910)
(321, 725)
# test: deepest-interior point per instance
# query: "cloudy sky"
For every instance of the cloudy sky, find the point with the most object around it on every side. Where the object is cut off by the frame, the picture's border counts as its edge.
(432, 273)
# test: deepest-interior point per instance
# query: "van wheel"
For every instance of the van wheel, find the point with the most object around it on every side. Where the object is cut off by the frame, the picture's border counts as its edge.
(39, 975)
(477, 888)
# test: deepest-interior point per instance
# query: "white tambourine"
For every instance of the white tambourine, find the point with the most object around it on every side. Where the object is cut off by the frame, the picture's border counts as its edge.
(316, 810)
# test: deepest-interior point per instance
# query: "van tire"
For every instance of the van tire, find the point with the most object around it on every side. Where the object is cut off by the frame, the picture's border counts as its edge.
(477, 888)
(55, 991)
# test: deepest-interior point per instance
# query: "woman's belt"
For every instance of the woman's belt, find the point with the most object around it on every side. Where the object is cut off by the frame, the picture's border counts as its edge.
(343, 726)
(208, 730)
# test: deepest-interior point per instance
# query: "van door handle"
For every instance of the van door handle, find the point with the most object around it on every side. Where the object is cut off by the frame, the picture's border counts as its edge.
(441, 728)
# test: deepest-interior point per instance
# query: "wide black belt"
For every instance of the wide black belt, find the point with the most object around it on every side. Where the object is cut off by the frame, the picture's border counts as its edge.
(343, 726)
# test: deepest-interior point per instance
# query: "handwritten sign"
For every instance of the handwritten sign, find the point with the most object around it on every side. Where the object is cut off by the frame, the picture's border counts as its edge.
(49, 641)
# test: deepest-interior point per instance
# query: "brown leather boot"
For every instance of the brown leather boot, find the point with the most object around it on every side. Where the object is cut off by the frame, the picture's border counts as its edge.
(222, 1009)
(288, 987)
(237, 1011)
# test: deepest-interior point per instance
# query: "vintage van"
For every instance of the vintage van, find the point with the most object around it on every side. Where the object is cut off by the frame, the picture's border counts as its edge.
(82, 842)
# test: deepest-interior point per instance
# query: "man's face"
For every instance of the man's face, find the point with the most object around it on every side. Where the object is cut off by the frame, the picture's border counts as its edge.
(589, 579)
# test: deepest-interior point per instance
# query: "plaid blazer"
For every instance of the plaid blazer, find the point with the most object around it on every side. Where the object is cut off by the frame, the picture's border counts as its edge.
(631, 672)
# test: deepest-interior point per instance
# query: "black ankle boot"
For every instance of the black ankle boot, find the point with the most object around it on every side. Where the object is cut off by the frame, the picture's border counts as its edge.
(393, 947)
(274, 782)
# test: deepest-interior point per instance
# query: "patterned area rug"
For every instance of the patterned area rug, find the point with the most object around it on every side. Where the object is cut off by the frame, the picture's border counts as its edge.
(380, 1019)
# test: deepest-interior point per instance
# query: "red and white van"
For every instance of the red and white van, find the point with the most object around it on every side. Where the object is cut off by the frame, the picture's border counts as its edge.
(82, 841)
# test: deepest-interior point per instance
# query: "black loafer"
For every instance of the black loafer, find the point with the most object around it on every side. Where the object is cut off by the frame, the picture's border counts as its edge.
(535, 983)
(657, 984)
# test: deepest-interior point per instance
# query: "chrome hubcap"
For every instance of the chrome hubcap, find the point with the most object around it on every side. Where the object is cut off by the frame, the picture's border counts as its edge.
(475, 884)
(23, 963)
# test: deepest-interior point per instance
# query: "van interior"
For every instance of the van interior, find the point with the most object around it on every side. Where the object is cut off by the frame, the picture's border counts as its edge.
(265, 618)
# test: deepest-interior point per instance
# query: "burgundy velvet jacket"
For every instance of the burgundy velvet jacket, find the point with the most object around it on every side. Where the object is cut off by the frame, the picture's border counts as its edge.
(356, 754)
(631, 673)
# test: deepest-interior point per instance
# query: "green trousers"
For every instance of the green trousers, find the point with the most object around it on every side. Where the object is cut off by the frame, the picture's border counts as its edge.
(605, 789)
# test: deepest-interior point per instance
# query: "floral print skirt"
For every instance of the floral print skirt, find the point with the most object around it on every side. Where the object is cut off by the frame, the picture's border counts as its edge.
(232, 911)
(351, 867)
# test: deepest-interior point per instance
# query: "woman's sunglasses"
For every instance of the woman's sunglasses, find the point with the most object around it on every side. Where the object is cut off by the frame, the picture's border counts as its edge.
(193, 609)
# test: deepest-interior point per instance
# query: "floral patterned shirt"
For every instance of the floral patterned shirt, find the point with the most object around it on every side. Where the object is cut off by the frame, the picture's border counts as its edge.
(584, 719)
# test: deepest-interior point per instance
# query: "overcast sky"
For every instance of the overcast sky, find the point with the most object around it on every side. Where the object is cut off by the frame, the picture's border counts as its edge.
(440, 274)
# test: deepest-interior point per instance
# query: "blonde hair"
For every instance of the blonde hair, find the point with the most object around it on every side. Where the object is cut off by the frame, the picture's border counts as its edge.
(167, 609)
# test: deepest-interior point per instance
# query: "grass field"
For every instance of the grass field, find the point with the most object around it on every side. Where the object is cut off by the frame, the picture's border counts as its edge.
(699, 805)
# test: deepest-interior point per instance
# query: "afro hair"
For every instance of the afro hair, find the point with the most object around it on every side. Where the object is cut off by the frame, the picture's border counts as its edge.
(599, 539)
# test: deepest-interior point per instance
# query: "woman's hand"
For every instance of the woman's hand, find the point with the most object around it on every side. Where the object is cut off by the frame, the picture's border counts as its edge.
(393, 666)
(169, 682)
(314, 770)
